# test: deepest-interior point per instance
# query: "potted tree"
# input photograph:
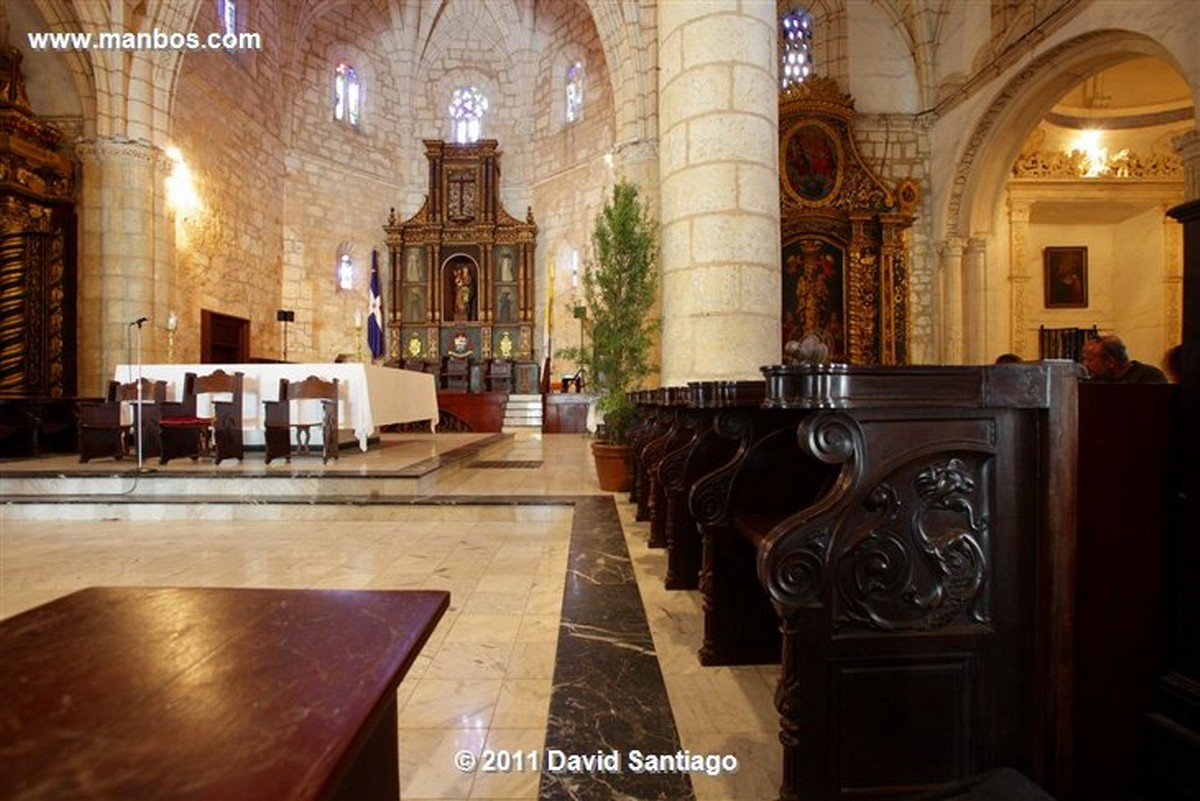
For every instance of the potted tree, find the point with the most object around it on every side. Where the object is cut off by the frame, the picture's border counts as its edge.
(620, 288)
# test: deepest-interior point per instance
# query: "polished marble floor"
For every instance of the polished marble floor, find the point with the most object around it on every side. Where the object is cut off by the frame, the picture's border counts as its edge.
(501, 530)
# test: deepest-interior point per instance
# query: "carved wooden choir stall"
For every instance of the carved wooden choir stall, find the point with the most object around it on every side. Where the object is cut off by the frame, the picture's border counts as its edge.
(37, 276)
(461, 288)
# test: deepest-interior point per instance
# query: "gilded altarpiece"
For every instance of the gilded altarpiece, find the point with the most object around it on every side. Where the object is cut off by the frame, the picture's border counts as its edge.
(845, 253)
(462, 281)
(37, 244)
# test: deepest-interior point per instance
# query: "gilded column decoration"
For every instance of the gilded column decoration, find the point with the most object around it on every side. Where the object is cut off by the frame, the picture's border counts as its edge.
(37, 326)
(13, 299)
(1173, 276)
(1018, 276)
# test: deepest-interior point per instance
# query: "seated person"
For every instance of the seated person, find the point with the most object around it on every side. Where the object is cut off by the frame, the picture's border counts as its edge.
(1009, 358)
(1174, 363)
(1106, 359)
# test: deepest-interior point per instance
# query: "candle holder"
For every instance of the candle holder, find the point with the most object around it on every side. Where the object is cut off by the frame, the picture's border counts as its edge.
(172, 324)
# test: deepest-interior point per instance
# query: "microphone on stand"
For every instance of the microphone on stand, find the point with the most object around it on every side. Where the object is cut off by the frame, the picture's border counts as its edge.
(138, 322)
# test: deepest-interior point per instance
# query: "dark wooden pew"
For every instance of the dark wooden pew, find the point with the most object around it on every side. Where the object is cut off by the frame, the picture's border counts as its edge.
(664, 455)
(937, 623)
(648, 429)
(980, 582)
(646, 454)
(766, 477)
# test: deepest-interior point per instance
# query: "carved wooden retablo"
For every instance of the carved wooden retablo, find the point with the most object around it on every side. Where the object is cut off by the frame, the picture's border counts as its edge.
(461, 267)
(845, 257)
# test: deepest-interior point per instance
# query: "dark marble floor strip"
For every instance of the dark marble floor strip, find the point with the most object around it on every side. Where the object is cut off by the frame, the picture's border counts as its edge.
(608, 698)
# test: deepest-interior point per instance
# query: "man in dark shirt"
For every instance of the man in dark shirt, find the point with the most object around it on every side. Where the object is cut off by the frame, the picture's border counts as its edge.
(1106, 359)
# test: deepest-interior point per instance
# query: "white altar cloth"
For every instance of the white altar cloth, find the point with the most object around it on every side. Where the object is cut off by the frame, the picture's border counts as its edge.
(371, 396)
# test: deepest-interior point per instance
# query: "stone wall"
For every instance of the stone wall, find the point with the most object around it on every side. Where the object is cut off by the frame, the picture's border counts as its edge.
(896, 147)
(227, 126)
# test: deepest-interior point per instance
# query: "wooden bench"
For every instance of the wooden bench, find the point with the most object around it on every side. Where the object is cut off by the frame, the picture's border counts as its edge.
(189, 693)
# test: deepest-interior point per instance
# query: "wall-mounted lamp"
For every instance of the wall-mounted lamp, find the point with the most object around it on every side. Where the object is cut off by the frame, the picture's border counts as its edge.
(181, 188)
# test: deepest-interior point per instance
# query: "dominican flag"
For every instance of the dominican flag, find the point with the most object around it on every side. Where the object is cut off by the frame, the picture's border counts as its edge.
(375, 316)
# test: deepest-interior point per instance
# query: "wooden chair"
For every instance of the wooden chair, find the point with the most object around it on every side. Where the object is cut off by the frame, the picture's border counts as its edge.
(455, 374)
(103, 430)
(279, 424)
(219, 434)
(499, 375)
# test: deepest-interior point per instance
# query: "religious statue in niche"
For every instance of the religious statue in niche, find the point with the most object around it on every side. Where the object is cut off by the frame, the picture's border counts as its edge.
(460, 290)
(813, 297)
(505, 306)
(412, 265)
(414, 305)
(506, 267)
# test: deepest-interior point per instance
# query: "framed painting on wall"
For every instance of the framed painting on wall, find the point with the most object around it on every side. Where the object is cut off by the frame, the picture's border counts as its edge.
(1066, 273)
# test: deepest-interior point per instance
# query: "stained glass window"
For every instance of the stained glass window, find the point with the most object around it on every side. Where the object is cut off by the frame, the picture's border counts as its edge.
(467, 107)
(345, 272)
(229, 16)
(795, 49)
(347, 94)
(574, 92)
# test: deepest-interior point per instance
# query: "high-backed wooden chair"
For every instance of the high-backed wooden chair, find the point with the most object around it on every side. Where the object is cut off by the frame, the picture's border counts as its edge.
(218, 432)
(499, 375)
(103, 429)
(455, 374)
(279, 423)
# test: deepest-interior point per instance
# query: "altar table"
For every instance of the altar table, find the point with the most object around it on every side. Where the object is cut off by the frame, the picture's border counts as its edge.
(194, 693)
(371, 396)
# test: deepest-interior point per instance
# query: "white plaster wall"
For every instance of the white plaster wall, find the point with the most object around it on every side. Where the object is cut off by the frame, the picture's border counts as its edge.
(1125, 281)
(882, 71)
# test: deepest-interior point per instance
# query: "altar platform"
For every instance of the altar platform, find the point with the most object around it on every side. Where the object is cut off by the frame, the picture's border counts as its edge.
(398, 466)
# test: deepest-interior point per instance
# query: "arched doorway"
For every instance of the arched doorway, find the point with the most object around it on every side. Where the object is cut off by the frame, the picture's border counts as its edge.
(1018, 191)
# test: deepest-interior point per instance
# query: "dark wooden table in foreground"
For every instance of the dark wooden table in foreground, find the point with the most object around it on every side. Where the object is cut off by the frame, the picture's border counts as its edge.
(189, 693)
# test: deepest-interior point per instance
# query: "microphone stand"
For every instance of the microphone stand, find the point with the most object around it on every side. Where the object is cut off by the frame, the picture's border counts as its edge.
(138, 411)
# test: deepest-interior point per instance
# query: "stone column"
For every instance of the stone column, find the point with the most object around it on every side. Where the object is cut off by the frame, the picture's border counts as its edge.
(719, 178)
(952, 300)
(124, 252)
(975, 305)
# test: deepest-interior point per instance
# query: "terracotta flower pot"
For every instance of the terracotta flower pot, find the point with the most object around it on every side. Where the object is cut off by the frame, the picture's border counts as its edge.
(614, 466)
